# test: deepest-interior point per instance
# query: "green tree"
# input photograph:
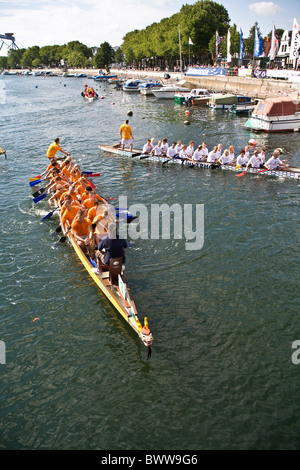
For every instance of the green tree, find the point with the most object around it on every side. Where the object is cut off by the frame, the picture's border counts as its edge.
(104, 56)
(14, 58)
(29, 56)
(3, 63)
(119, 57)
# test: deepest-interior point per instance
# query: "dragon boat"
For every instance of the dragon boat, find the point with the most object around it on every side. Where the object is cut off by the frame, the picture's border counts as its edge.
(291, 173)
(112, 280)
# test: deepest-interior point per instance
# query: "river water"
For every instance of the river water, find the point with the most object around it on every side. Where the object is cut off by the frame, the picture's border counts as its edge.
(224, 317)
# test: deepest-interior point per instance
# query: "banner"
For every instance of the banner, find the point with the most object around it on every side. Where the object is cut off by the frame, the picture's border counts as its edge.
(259, 73)
(258, 44)
(274, 44)
(218, 40)
(241, 53)
(295, 43)
(228, 46)
(205, 71)
(191, 42)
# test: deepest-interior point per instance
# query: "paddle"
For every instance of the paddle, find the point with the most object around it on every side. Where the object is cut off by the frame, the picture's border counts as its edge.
(242, 174)
(38, 177)
(46, 217)
(40, 198)
(262, 171)
(170, 159)
(39, 192)
(90, 174)
(35, 182)
(144, 156)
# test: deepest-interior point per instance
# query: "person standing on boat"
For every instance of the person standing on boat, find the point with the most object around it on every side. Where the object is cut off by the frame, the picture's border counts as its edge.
(126, 135)
(54, 147)
(113, 245)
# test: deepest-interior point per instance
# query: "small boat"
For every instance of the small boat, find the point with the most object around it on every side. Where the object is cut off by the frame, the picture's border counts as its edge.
(168, 91)
(147, 88)
(275, 115)
(132, 85)
(241, 108)
(291, 173)
(221, 101)
(103, 77)
(196, 97)
(112, 280)
(81, 75)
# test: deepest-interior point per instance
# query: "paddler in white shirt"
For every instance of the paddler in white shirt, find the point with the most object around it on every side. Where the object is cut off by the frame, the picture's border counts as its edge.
(274, 163)
(204, 152)
(242, 160)
(212, 156)
(165, 145)
(158, 150)
(197, 154)
(183, 154)
(148, 147)
(225, 158)
(262, 155)
(178, 146)
(171, 152)
(255, 161)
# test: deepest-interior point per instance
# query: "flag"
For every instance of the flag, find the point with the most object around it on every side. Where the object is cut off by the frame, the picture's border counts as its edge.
(191, 42)
(241, 53)
(295, 43)
(228, 46)
(258, 45)
(274, 44)
(218, 40)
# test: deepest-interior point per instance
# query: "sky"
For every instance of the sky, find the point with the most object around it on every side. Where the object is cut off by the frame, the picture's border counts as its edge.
(92, 22)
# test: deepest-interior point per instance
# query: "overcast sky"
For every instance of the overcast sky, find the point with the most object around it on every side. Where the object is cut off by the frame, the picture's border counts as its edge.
(49, 22)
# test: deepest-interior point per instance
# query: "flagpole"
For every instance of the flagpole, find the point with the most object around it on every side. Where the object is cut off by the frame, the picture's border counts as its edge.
(180, 49)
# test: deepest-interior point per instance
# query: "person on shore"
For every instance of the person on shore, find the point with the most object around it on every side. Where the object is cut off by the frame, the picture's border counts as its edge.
(274, 163)
(54, 147)
(114, 247)
(126, 135)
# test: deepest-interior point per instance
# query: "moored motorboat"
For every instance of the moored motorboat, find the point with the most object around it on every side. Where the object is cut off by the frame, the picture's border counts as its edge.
(196, 97)
(291, 173)
(168, 91)
(132, 85)
(275, 115)
(148, 87)
(111, 279)
(225, 101)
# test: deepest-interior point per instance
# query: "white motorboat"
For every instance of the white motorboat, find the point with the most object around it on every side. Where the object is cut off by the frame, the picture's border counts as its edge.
(275, 115)
(148, 87)
(132, 85)
(168, 91)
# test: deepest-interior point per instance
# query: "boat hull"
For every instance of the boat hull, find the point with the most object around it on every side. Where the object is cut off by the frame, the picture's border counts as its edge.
(259, 123)
(294, 173)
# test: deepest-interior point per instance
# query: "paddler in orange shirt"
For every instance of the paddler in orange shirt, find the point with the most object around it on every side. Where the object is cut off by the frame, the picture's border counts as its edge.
(82, 231)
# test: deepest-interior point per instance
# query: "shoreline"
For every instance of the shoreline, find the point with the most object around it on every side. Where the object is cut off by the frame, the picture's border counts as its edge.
(253, 87)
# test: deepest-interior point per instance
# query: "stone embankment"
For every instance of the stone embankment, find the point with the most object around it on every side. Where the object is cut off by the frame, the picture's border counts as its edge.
(254, 87)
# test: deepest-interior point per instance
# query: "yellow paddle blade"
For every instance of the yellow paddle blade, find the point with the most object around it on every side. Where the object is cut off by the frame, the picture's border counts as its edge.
(34, 179)
(238, 167)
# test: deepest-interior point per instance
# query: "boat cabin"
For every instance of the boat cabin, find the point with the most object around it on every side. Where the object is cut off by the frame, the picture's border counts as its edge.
(277, 107)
